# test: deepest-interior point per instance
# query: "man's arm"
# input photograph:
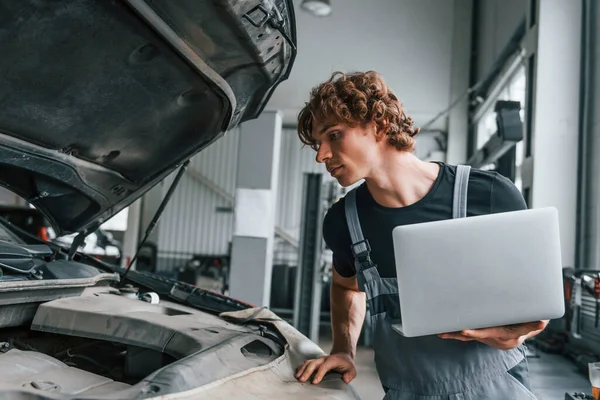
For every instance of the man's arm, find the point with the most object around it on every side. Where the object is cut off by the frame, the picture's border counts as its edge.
(348, 307)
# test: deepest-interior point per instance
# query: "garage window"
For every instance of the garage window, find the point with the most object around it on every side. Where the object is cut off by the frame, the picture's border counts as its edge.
(514, 90)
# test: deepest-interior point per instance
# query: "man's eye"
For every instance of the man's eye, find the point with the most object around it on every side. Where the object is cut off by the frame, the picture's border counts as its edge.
(334, 135)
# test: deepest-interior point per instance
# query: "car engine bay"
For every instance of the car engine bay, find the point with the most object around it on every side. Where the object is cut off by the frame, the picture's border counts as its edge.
(68, 329)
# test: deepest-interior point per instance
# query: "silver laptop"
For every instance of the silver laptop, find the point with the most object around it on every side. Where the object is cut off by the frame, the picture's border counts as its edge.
(478, 272)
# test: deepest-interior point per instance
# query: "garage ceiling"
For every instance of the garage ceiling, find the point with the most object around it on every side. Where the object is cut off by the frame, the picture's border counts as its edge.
(408, 41)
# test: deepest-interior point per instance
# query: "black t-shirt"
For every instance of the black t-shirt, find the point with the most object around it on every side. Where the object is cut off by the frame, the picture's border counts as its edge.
(488, 192)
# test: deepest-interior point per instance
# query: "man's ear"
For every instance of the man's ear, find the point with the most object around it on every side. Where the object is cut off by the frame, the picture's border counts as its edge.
(380, 131)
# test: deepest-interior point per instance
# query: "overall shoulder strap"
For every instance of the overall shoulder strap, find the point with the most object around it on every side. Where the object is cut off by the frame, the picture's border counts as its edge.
(360, 246)
(461, 185)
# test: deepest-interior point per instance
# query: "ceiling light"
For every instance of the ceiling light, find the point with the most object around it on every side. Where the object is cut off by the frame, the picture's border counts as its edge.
(320, 8)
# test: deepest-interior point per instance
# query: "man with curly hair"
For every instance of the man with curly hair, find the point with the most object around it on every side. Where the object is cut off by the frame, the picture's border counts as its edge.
(360, 131)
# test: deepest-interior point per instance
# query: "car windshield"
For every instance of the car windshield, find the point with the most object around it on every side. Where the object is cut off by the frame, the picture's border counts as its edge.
(7, 235)
(20, 220)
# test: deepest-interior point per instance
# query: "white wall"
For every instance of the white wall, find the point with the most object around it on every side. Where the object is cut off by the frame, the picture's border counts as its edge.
(408, 41)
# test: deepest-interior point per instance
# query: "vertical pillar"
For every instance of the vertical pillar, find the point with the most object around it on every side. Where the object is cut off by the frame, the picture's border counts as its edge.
(588, 240)
(550, 166)
(255, 196)
(458, 117)
(307, 301)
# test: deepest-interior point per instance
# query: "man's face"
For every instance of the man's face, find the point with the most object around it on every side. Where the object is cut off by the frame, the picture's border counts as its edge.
(349, 153)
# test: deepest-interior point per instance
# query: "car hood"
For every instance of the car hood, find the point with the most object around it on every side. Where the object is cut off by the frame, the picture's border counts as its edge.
(101, 100)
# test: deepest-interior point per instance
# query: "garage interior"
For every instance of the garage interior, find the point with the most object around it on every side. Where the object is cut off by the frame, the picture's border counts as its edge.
(511, 86)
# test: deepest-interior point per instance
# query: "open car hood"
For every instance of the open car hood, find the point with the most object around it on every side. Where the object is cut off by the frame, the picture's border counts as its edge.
(102, 99)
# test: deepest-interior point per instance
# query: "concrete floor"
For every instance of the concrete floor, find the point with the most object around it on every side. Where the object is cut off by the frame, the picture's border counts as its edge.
(551, 375)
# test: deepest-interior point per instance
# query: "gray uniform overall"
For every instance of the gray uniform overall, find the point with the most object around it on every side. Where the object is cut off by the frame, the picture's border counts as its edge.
(430, 368)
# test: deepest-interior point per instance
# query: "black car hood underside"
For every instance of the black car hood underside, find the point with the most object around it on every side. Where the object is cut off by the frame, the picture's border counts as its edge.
(100, 100)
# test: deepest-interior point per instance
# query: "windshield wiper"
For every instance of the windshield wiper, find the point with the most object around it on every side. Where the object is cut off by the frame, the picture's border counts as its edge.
(156, 217)
(15, 231)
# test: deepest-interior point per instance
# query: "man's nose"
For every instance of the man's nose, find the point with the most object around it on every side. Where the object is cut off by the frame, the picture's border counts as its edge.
(324, 153)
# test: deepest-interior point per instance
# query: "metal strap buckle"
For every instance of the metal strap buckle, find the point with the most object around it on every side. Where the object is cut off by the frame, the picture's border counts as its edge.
(363, 252)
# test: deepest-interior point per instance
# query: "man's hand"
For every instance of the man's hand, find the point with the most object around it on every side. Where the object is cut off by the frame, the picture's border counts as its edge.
(339, 362)
(503, 337)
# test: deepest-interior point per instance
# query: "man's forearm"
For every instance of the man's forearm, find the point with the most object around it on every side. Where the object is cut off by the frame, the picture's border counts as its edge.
(348, 309)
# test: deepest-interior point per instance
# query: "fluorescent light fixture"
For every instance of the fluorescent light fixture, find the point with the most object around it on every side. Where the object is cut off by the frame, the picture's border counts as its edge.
(320, 8)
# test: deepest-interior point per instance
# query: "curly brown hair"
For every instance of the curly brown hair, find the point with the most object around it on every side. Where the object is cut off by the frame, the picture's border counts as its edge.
(356, 99)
